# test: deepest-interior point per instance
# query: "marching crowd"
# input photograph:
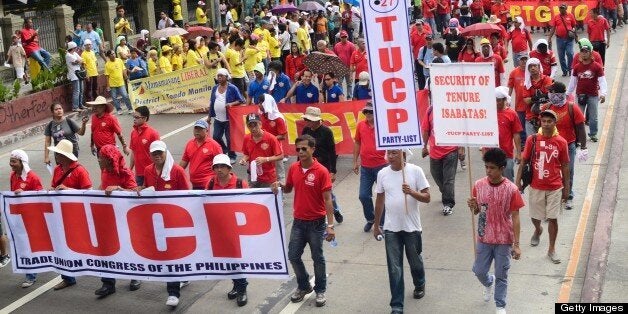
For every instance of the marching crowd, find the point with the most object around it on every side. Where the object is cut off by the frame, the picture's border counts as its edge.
(542, 127)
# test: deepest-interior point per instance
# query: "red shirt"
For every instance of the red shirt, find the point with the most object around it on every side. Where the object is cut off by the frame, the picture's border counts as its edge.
(498, 66)
(309, 203)
(417, 39)
(294, 65)
(596, 28)
(519, 40)
(501, 10)
(201, 160)
(78, 179)
(508, 126)
(515, 81)
(32, 182)
(124, 179)
(104, 129)
(443, 6)
(549, 155)
(500, 51)
(232, 184)
(501, 200)
(274, 127)
(465, 56)
(344, 51)
(369, 156)
(587, 78)
(476, 9)
(564, 124)
(547, 60)
(30, 41)
(428, 5)
(609, 4)
(597, 58)
(359, 59)
(436, 152)
(562, 28)
(542, 84)
(268, 146)
(141, 138)
(178, 179)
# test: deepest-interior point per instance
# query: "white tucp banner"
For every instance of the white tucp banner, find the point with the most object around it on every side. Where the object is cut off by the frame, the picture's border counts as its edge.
(392, 76)
(463, 104)
(160, 236)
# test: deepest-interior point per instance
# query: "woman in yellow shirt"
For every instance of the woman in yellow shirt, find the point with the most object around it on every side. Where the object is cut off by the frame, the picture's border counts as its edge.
(192, 58)
(215, 60)
(251, 56)
(201, 48)
(201, 15)
(274, 46)
(91, 67)
(176, 59)
(164, 60)
(122, 50)
(152, 63)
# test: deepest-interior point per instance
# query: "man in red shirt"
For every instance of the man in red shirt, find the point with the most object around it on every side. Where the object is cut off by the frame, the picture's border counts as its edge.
(428, 9)
(549, 188)
(30, 42)
(165, 175)
(274, 123)
(599, 32)
(104, 126)
(563, 25)
(199, 153)
(500, 10)
(344, 49)
(418, 32)
(141, 138)
(548, 60)
(535, 94)
(610, 11)
(515, 83)
(371, 162)
(487, 56)
(498, 48)
(225, 179)
(261, 150)
(594, 54)
(68, 175)
(589, 83)
(520, 39)
(359, 61)
(312, 205)
(509, 128)
(443, 14)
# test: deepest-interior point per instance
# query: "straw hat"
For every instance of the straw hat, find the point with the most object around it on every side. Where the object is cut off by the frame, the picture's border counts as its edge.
(100, 100)
(493, 20)
(65, 148)
(312, 114)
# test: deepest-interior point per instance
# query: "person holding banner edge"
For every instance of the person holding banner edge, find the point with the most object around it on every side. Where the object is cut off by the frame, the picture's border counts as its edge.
(509, 128)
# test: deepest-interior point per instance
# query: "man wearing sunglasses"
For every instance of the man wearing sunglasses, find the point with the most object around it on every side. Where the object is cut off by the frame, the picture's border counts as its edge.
(262, 148)
(141, 138)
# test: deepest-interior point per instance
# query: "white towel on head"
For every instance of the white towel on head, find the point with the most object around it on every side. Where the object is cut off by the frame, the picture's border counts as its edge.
(528, 81)
(502, 92)
(270, 107)
(21, 155)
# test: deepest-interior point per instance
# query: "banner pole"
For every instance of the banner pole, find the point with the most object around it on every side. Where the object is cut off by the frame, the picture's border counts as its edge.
(471, 195)
(403, 175)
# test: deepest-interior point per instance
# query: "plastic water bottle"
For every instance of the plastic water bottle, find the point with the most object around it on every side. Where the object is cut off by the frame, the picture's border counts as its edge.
(332, 243)
(380, 237)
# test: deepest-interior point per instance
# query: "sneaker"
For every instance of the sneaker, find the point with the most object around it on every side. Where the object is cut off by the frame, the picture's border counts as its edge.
(419, 292)
(338, 217)
(488, 291)
(593, 138)
(28, 282)
(130, 111)
(463, 165)
(120, 112)
(4, 260)
(172, 301)
(76, 110)
(447, 210)
(320, 299)
(500, 310)
(536, 238)
(183, 284)
(569, 205)
(300, 294)
(368, 226)
(553, 257)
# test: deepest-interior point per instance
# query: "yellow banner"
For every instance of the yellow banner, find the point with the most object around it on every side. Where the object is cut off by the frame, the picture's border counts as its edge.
(183, 91)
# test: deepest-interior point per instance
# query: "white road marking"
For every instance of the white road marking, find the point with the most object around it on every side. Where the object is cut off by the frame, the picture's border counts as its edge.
(32, 295)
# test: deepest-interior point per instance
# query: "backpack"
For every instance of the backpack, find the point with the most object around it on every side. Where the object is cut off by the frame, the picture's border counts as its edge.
(210, 185)
(464, 8)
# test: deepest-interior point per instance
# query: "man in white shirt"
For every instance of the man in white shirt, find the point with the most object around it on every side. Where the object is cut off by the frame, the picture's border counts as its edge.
(400, 190)
(165, 21)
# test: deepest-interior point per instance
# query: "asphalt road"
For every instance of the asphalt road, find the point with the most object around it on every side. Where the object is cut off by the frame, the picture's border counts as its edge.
(357, 273)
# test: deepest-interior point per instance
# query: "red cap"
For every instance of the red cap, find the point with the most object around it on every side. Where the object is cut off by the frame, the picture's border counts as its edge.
(344, 34)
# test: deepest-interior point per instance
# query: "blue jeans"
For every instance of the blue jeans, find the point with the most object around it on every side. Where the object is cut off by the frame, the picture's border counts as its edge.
(432, 22)
(31, 277)
(43, 57)
(509, 172)
(485, 255)
(395, 243)
(68, 279)
(465, 21)
(572, 162)
(139, 180)
(565, 49)
(221, 129)
(77, 94)
(522, 119)
(120, 91)
(308, 232)
(444, 173)
(611, 15)
(368, 176)
(590, 111)
(335, 203)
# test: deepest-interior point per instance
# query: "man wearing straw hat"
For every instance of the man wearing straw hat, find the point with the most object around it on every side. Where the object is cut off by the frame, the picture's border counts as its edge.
(400, 188)
(68, 175)
(104, 126)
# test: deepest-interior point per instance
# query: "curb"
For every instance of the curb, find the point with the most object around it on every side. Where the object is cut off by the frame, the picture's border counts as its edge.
(36, 129)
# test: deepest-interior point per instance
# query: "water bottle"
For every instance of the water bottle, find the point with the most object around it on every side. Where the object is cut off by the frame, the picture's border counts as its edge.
(332, 243)
(379, 237)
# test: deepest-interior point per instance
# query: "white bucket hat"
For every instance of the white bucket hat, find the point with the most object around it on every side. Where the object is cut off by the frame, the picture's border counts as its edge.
(65, 148)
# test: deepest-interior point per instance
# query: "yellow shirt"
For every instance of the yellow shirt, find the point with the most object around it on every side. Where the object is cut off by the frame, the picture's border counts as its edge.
(91, 65)
(201, 18)
(114, 72)
(177, 62)
(262, 46)
(164, 64)
(176, 13)
(234, 14)
(191, 59)
(122, 27)
(275, 50)
(233, 58)
(152, 67)
(211, 72)
(123, 52)
(303, 40)
(175, 40)
(203, 51)
(251, 59)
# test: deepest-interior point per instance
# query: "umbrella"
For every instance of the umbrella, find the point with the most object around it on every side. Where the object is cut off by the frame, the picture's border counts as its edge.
(355, 3)
(195, 31)
(169, 31)
(481, 29)
(321, 63)
(283, 8)
(311, 6)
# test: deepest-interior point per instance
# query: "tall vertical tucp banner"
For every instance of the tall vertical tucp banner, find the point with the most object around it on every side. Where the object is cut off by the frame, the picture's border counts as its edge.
(386, 29)
(463, 102)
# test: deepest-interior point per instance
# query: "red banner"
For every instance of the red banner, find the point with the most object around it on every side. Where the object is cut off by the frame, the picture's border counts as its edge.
(539, 13)
(341, 117)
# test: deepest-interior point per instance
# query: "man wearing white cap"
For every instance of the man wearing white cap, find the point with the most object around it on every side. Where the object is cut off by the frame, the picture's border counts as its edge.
(259, 86)
(199, 153)
(201, 14)
(74, 62)
(91, 69)
(509, 129)
(223, 95)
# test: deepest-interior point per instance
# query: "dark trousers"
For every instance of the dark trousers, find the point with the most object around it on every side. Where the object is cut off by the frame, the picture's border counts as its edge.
(444, 173)
(174, 288)
(91, 88)
(600, 47)
(419, 74)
